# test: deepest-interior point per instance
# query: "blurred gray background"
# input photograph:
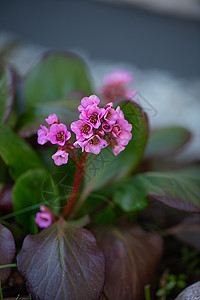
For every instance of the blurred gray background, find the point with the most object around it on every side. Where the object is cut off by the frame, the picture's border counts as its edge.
(109, 32)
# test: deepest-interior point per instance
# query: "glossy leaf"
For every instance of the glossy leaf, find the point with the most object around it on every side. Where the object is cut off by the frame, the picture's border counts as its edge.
(30, 121)
(7, 252)
(55, 76)
(166, 141)
(62, 262)
(106, 167)
(129, 265)
(179, 190)
(6, 93)
(129, 196)
(192, 292)
(29, 193)
(16, 153)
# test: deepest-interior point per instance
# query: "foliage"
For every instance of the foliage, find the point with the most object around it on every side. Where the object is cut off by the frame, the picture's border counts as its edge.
(66, 261)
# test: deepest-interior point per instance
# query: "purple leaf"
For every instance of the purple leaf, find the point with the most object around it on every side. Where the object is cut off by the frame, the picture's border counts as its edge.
(7, 252)
(6, 203)
(131, 259)
(62, 262)
(192, 292)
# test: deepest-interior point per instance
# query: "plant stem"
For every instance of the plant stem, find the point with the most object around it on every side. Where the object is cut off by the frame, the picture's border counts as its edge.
(1, 295)
(76, 186)
(8, 266)
(147, 292)
(75, 157)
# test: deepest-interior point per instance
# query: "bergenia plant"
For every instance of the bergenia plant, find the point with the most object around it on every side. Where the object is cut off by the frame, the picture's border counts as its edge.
(87, 190)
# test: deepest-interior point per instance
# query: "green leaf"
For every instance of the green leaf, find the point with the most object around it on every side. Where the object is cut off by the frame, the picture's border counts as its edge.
(179, 190)
(7, 250)
(131, 258)
(55, 76)
(29, 193)
(30, 121)
(6, 93)
(191, 292)
(128, 197)
(16, 153)
(104, 168)
(166, 141)
(62, 262)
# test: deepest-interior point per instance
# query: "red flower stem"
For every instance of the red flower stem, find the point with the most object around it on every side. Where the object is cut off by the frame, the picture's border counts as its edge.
(76, 186)
(75, 157)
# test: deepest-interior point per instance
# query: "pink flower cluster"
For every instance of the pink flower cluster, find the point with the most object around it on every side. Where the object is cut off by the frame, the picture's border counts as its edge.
(44, 218)
(96, 128)
(115, 86)
(56, 134)
(100, 127)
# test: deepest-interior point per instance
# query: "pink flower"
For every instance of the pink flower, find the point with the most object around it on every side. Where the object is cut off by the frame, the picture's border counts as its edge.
(59, 134)
(110, 115)
(60, 157)
(92, 145)
(92, 114)
(95, 144)
(43, 135)
(122, 129)
(52, 119)
(82, 130)
(86, 101)
(116, 146)
(118, 77)
(106, 127)
(44, 218)
(114, 86)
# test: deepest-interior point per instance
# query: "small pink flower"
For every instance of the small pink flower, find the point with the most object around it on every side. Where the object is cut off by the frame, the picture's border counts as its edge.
(92, 145)
(118, 77)
(82, 130)
(52, 119)
(114, 86)
(43, 135)
(95, 144)
(106, 127)
(44, 218)
(59, 134)
(92, 115)
(110, 115)
(116, 146)
(60, 157)
(86, 101)
(122, 129)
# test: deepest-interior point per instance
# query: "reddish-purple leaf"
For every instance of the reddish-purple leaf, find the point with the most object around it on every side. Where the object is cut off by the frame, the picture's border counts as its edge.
(131, 259)
(7, 252)
(188, 232)
(6, 203)
(62, 262)
(192, 292)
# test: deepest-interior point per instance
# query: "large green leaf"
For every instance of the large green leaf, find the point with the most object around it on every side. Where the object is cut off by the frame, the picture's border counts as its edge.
(30, 121)
(55, 76)
(32, 189)
(16, 153)
(62, 262)
(7, 252)
(179, 190)
(104, 168)
(6, 93)
(131, 259)
(166, 141)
